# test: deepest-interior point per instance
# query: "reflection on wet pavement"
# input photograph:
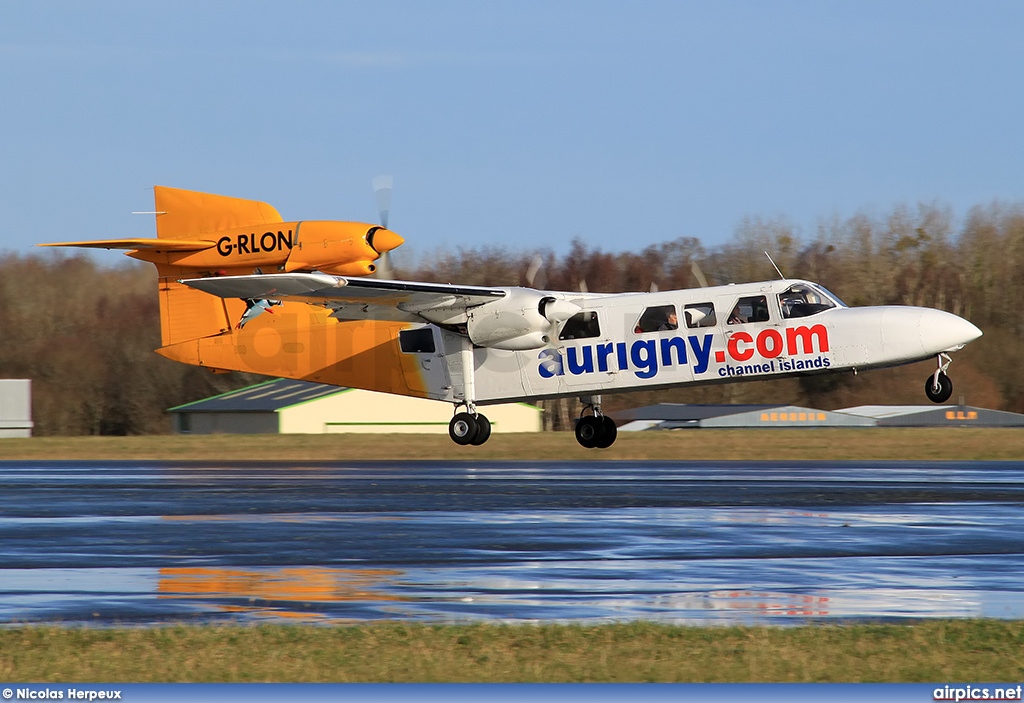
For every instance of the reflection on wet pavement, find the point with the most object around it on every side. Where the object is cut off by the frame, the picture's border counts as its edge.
(141, 543)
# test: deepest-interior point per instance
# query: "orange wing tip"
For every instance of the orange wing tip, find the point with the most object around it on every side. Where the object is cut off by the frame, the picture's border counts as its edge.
(148, 244)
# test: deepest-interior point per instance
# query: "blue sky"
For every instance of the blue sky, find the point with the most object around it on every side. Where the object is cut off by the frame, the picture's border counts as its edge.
(516, 124)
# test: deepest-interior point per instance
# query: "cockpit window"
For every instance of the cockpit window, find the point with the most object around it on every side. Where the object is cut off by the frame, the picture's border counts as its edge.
(803, 299)
(753, 308)
(582, 325)
(657, 318)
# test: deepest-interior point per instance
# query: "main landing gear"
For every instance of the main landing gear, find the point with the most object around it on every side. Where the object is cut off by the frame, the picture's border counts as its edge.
(597, 430)
(938, 387)
(469, 428)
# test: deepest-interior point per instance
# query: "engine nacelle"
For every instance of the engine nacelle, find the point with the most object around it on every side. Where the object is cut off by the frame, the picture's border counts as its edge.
(341, 248)
(521, 320)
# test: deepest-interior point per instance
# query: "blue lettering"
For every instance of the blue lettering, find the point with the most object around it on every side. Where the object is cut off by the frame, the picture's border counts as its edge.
(669, 343)
(643, 356)
(620, 350)
(702, 353)
(550, 364)
(603, 351)
(575, 367)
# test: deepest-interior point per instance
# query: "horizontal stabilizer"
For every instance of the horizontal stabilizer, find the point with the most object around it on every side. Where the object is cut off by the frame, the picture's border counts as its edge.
(147, 244)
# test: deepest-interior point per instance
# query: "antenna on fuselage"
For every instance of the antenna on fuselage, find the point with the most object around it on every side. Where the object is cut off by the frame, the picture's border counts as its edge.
(774, 266)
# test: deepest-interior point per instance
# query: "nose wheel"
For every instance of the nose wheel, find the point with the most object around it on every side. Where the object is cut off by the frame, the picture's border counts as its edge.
(938, 387)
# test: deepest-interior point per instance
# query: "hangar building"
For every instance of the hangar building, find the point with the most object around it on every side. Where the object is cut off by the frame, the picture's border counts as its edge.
(671, 416)
(301, 407)
(936, 416)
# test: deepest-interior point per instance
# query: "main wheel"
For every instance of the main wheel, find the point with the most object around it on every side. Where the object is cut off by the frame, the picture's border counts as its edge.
(588, 429)
(463, 428)
(606, 437)
(483, 430)
(938, 389)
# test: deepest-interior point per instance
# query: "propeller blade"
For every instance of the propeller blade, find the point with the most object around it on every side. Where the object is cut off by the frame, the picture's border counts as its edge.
(698, 274)
(535, 277)
(384, 268)
(382, 189)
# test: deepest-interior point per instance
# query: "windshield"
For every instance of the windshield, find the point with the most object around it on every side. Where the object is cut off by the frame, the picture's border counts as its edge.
(805, 299)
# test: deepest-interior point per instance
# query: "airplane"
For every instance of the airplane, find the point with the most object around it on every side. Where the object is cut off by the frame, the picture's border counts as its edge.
(222, 261)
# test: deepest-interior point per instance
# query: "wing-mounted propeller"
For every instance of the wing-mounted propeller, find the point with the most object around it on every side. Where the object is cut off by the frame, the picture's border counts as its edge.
(535, 276)
(524, 319)
(698, 274)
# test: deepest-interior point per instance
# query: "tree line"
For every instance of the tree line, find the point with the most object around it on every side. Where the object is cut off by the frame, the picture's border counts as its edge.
(85, 333)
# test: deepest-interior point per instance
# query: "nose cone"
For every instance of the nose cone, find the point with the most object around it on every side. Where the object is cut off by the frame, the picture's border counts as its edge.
(943, 331)
(385, 240)
(911, 333)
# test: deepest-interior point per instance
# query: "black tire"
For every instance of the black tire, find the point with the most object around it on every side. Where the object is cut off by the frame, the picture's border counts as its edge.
(938, 390)
(483, 430)
(606, 437)
(462, 428)
(588, 430)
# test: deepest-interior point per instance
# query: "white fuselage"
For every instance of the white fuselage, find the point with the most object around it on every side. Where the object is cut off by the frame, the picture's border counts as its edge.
(626, 342)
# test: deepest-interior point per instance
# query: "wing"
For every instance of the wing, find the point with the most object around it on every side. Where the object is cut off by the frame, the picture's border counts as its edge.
(356, 298)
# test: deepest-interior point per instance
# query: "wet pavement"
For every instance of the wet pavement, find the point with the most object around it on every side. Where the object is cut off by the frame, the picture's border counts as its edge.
(681, 542)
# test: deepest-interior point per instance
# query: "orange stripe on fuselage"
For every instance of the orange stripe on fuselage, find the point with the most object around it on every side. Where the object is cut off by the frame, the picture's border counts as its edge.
(301, 341)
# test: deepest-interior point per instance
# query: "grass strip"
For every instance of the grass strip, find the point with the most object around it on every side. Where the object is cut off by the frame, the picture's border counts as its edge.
(926, 444)
(942, 650)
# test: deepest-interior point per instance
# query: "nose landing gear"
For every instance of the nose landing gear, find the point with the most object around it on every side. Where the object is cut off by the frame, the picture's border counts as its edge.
(938, 387)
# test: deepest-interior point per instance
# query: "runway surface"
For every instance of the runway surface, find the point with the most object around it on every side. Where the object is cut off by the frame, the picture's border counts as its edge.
(682, 542)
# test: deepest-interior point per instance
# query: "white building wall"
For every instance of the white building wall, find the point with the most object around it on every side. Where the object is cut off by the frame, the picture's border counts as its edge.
(355, 410)
(15, 408)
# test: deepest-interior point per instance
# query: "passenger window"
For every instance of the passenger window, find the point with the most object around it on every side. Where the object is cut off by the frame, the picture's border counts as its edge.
(700, 315)
(657, 318)
(418, 341)
(582, 325)
(750, 309)
(801, 300)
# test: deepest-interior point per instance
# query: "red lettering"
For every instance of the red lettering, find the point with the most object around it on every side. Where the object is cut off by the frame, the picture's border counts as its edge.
(734, 348)
(769, 343)
(807, 336)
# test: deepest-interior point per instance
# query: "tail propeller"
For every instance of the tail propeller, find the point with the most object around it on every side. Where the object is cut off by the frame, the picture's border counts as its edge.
(383, 186)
